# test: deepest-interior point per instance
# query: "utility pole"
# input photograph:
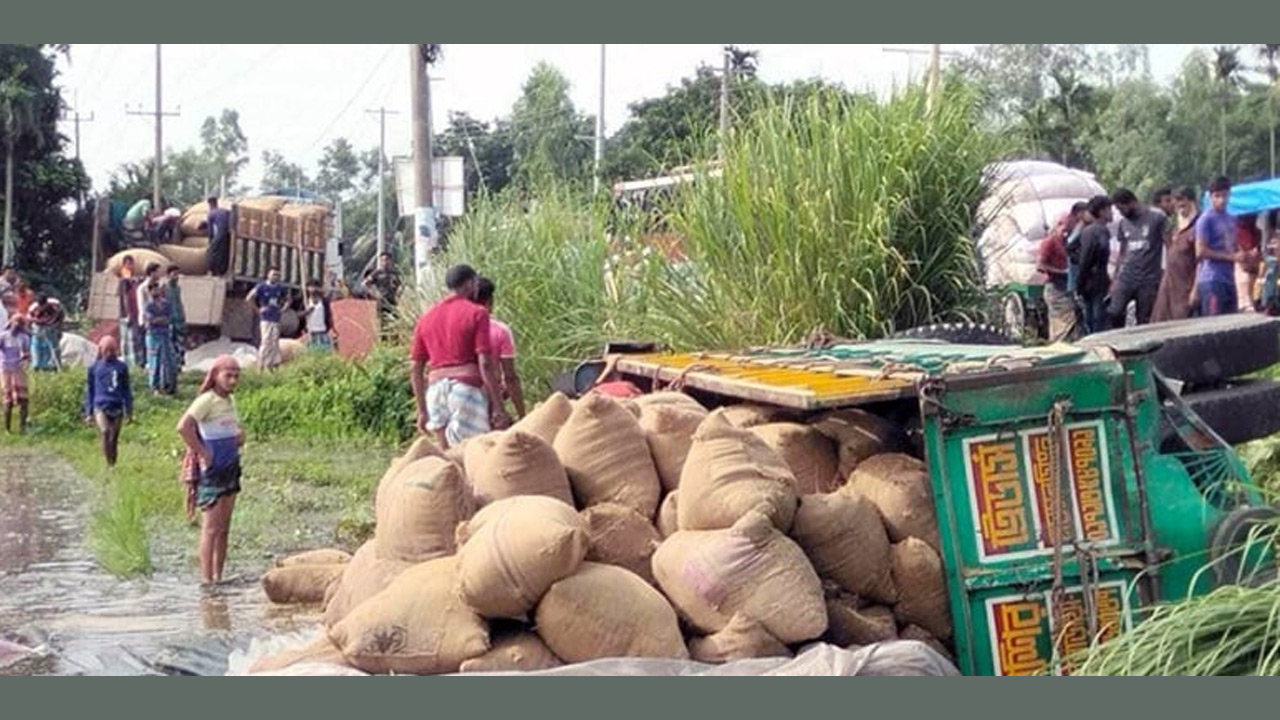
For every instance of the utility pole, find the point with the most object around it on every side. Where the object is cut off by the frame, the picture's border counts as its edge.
(159, 114)
(424, 210)
(382, 113)
(73, 115)
(724, 101)
(599, 154)
(934, 78)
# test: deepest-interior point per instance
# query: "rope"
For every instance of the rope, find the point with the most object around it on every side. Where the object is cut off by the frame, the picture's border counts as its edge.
(1057, 467)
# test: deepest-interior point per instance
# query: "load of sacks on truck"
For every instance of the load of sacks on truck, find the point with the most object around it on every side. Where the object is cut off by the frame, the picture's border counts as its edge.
(649, 527)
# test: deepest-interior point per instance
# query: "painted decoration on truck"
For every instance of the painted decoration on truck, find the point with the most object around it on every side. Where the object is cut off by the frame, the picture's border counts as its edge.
(1031, 634)
(1016, 502)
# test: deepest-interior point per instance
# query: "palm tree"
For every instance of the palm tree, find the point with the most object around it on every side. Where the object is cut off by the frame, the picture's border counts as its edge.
(1227, 67)
(1270, 54)
(17, 118)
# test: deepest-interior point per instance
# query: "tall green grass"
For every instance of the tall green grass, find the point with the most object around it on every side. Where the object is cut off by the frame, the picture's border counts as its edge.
(118, 528)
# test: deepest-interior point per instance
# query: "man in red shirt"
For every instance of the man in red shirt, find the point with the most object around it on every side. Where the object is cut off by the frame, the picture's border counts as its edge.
(460, 397)
(1053, 262)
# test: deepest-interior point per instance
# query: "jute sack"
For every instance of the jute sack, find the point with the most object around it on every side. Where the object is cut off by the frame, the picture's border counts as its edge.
(859, 435)
(328, 556)
(518, 652)
(741, 639)
(922, 588)
(750, 569)
(419, 508)
(730, 472)
(514, 549)
(321, 650)
(291, 349)
(845, 539)
(422, 447)
(362, 578)
(300, 583)
(266, 203)
(668, 398)
(900, 488)
(747, 415)
(812, 456)
(669, 429)
(419, 625)
(515, 463)
(607, 457)
(619, 536)
(193, 221)
(546, 420)
(141, 259)
(848, 624)
(602, 611)
(200, 242)
(191, 261)
(669, 515)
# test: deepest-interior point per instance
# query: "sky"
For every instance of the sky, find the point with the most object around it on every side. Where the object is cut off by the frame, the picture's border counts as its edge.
(295, 99)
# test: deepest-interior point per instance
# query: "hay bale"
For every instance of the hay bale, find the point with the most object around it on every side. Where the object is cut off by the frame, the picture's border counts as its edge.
(848, 624)
(900, 487)
(669, 429)
(546, 420)
(419, 625)
(327, 556)
(859, 435)
(742, 639)
(362, 578)
(512, 463)
(607, 457)
(844, 537)
(729, 472)
(749, 569)
(300, 583)
(922, 588)
(141, 259)
(619, 536)
(519, 652)
(514, 549)
(603, 611)
(418, 509)
(191, 261)
(669, 515)
(812, 456)
(320, 650)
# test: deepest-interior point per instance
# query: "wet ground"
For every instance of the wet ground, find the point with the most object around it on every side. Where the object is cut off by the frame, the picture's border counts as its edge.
(81, 620)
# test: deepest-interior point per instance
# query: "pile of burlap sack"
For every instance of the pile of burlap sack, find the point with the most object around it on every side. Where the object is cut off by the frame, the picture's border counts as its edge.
(646, 528)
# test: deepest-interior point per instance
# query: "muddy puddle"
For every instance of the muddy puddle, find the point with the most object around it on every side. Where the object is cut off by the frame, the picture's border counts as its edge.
(61, 614)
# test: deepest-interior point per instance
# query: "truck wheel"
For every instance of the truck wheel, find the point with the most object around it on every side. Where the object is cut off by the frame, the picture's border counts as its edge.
(1203, 351)
(959, 333)
(1239, 544)
(1243, 411)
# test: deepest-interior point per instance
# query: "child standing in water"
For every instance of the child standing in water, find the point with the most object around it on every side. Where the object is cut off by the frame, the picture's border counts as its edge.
(211, 430)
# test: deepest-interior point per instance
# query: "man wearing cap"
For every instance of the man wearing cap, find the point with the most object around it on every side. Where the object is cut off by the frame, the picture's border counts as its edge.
(454, 376)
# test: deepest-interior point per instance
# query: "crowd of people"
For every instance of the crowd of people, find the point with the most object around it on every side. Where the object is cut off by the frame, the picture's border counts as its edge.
(1175, 260)
(30, 335)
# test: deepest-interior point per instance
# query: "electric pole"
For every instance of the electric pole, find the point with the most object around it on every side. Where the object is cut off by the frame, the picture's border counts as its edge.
(933, 79)
(424, 211)
(73, 115)
(382, 113)
(599, 154)
(724, 101)
(159, 114)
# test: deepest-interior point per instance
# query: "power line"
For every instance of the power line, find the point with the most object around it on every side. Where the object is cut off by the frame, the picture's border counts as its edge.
(351, 100)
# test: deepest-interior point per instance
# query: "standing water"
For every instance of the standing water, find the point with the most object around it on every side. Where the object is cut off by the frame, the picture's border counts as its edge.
(61, 614)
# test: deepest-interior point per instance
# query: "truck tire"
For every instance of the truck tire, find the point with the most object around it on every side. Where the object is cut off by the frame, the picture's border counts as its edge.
(959, 333)
(1252, 525)
(1243, 411)
(1201, 352)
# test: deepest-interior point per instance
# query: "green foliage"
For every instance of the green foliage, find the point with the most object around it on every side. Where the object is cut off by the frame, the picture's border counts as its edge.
(549, 132)
(118, 532)
(190, 174)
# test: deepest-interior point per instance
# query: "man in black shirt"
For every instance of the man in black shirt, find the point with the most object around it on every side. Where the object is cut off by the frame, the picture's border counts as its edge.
(1141, 262)
(1094, 282)
(385, 284)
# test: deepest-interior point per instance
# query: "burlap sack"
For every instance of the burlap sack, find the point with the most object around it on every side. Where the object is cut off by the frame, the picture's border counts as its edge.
(747, 416)
(618, 536)
(362, 578)
(669, 515)
(515, 463)
(194, 221)
(422, 447)
(321, 650)
(191, 261)
(546, 420)
(668, 398)
(419, 508)
(514, 549)
(607, 457)
(669, 429)
(328, 556)
(899, 486)
(848, 624)
(141, 259)
(602, 611)
(922, 588)
(199, 242)
(859, 435)
(518, 652)
(845, 539)
(300, 583)
(266, 203)
(750, 569)
(419, 625)
(730, 472)
(812, 456)
(742, 639)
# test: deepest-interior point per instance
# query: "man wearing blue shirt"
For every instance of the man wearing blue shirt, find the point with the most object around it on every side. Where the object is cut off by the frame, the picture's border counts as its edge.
(270, 298)
(1216, 254)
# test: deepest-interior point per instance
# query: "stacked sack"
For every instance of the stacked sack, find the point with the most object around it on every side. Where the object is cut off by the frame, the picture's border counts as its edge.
(642, 528)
